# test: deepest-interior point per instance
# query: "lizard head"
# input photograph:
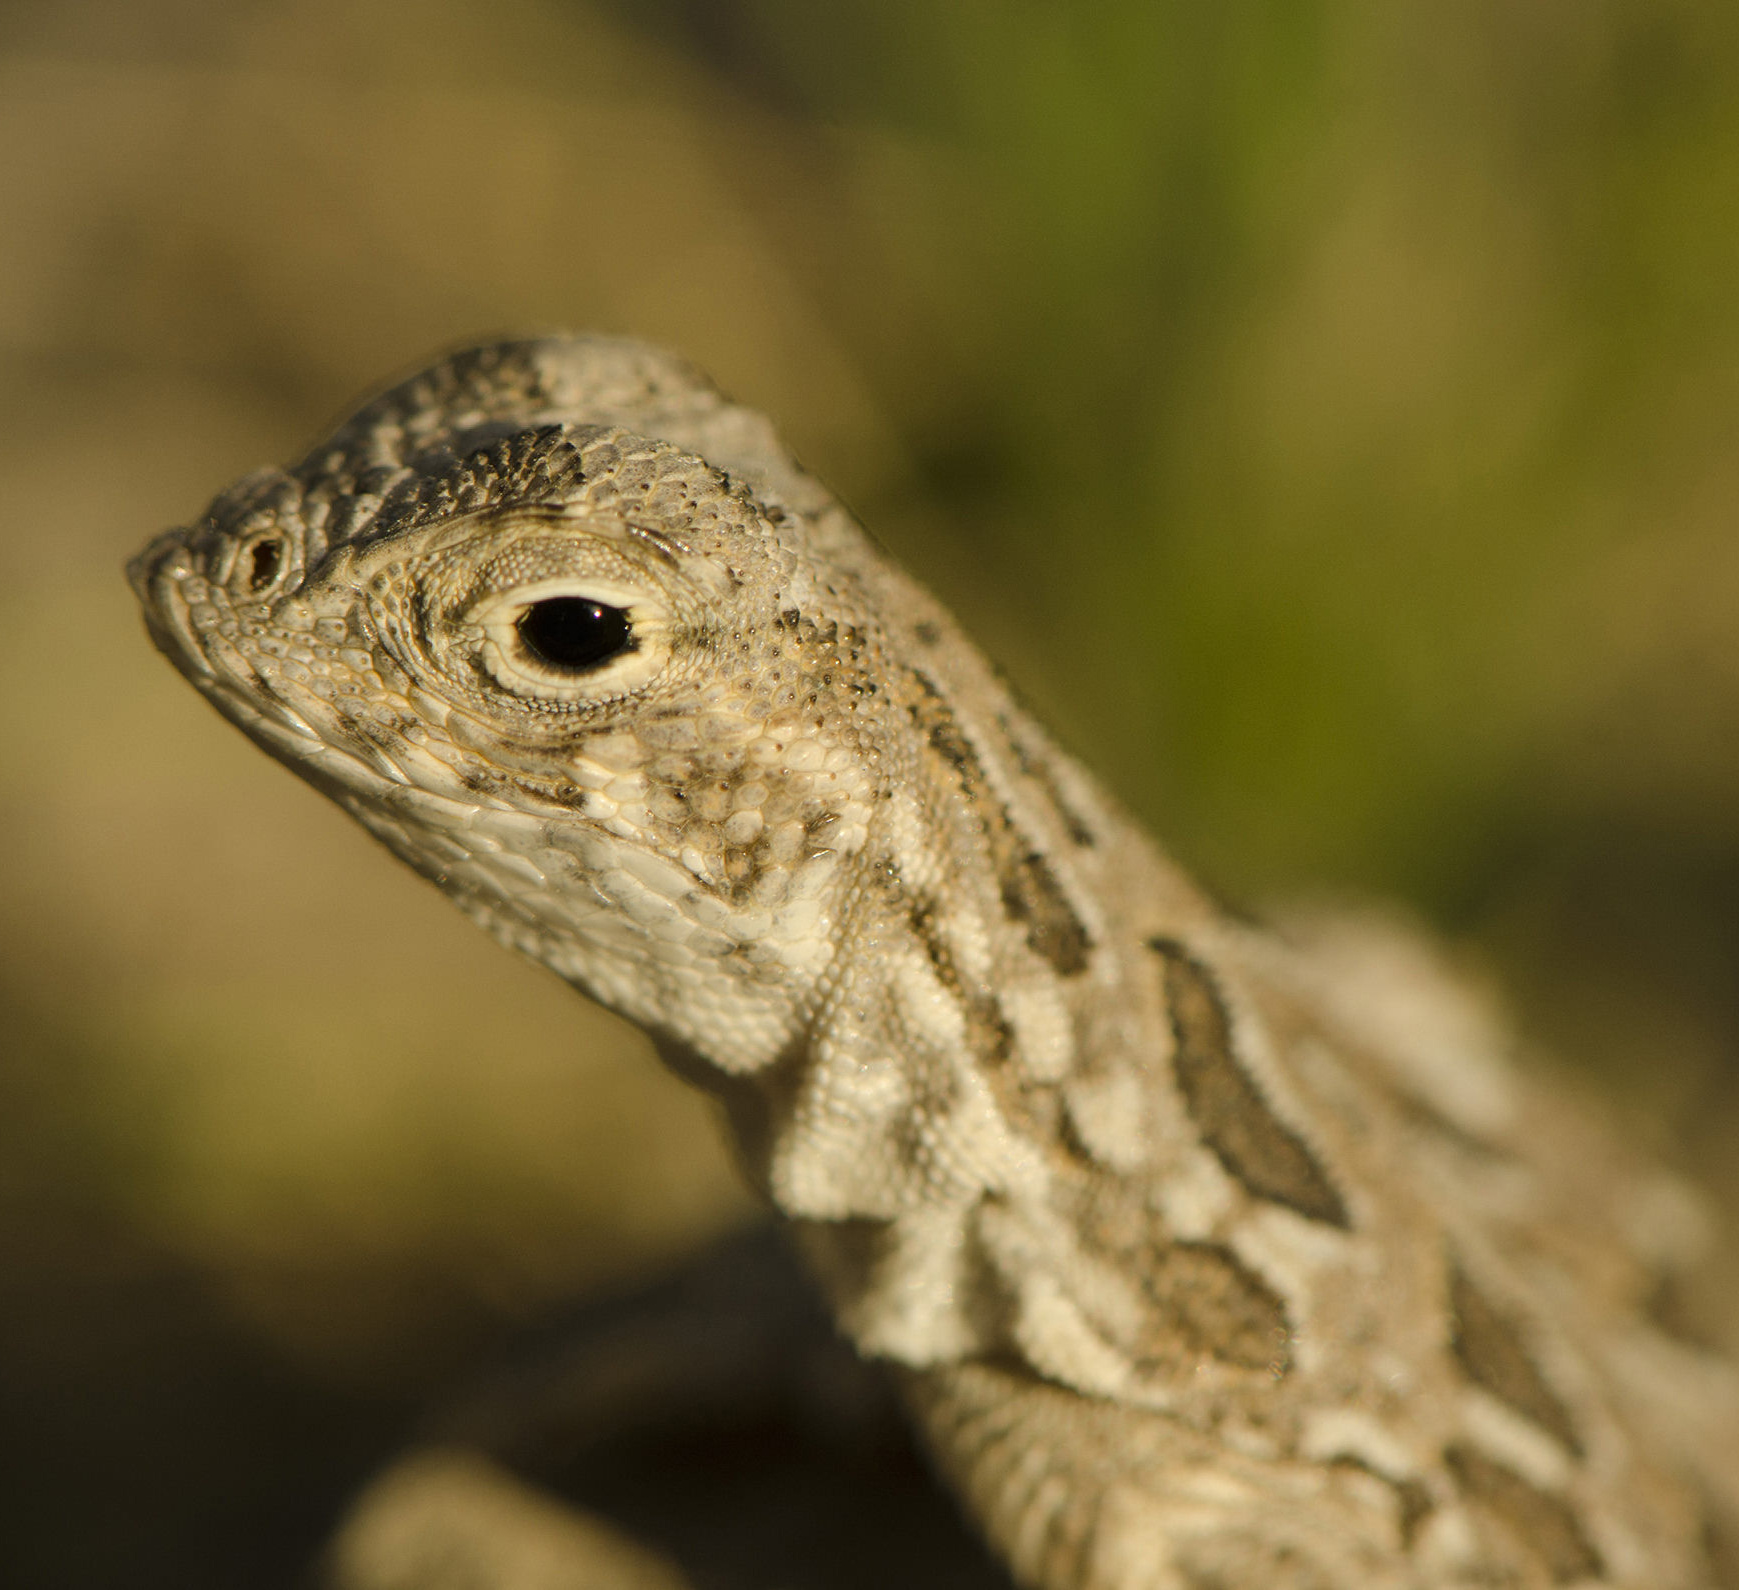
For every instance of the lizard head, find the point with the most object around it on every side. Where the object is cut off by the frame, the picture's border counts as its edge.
(561, 627)
(575, 637)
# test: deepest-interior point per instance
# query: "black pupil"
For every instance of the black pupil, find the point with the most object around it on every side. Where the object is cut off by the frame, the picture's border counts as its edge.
(573, 633)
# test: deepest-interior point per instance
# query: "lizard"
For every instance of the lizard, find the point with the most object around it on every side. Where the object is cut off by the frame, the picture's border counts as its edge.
(1208, 1256)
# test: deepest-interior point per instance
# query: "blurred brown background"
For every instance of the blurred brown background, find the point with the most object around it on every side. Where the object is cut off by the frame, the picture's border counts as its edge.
(1325, 411)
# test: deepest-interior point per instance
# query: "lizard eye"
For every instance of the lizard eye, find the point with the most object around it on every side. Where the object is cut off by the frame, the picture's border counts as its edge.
(572, 634)
(574, 639)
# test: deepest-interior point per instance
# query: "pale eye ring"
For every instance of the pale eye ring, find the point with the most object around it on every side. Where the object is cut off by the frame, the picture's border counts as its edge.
(573, 639)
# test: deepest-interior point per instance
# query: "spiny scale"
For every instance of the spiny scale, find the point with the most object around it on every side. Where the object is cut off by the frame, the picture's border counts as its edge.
(1209, 1259)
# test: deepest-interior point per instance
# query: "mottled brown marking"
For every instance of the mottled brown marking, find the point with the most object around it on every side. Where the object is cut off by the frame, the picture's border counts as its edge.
(922, 916)
(489, 466)
(988, 1033)
(946, 738)
(1209, 1303)
(932, 714)
(1543, 1524)
(1235, 1120)
(502, 383)
(1489, 1345)
(1031, 894)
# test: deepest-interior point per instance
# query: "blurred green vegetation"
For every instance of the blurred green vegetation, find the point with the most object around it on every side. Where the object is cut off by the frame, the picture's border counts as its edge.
(1325, 411)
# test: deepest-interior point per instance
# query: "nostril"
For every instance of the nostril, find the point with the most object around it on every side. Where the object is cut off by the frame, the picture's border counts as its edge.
(264, 559)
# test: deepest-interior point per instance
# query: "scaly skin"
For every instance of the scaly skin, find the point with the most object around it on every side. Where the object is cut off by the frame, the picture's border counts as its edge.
(1209, 1259)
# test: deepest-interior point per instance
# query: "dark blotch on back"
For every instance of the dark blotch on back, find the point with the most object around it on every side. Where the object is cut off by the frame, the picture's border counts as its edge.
(1227, 1106)
(1031, 894)
(987, 1030)
(932, 714)
(1542, 1523)
(1490, 1348)
(1208, 1303)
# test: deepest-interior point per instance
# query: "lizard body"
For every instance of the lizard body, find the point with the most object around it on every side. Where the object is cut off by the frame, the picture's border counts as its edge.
(1208, 1257)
